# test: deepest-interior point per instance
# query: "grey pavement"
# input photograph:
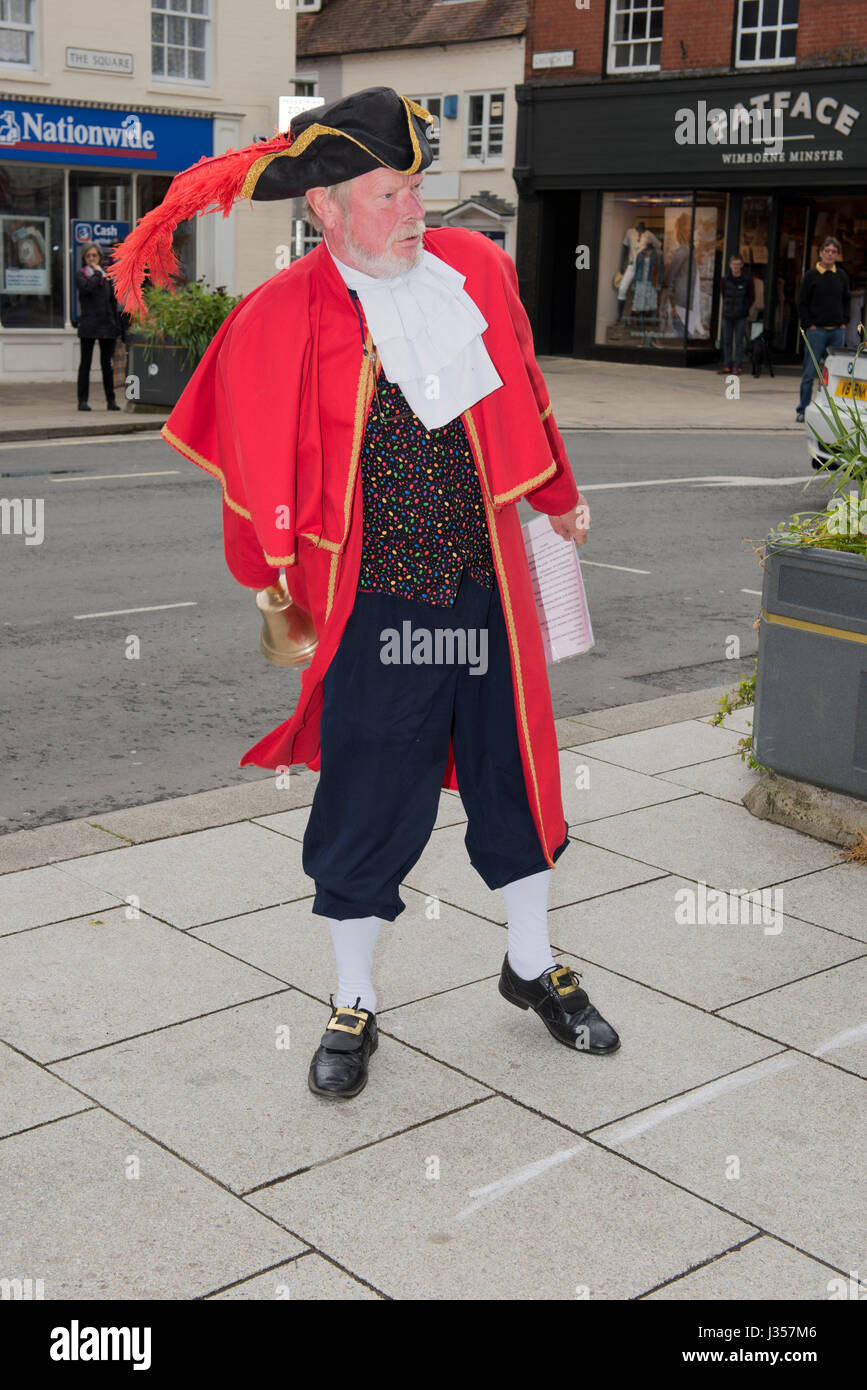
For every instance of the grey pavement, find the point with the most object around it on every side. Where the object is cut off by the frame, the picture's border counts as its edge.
(165, 984)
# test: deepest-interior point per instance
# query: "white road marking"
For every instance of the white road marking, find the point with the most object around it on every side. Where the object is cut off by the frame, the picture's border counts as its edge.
(844, 1039)
(83, 439)
(98, 477)
(752, 591)
(626, 568)
(119, 612)
(708, 480)
(494, 1190)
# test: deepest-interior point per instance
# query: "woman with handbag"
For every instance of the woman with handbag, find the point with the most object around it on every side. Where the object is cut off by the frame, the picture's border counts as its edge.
(98, 320)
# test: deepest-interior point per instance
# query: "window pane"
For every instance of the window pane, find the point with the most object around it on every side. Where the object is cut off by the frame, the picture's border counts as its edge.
(655, 51)
(31, 197)
(199, 6)
(621, 28)
(175, 57)
(770, 13)
(639, 25)
(13, 46)
(158, 27)
(748, 48)
(497, 107)
(177, 31)
(656, 24)
(788, 43)
(750, 14)
(477, 109)
(197, 64)
(790, 11)
(180, 5)
(769, 44)
(158, 61)
(20, 11)
(196, 31)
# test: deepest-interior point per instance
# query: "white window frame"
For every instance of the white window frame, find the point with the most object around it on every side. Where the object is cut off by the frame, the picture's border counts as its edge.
(9, 65)
(619, 8)
(308, 6)
(164, 79)
(423, 101)
(759, 29)
(485, 162)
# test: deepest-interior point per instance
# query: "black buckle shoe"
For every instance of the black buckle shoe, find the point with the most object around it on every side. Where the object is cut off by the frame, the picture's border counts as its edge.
(563, 1007)
(338, 1070)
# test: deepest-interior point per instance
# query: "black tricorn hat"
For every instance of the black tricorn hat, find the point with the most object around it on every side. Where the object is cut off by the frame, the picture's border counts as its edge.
(372, 129)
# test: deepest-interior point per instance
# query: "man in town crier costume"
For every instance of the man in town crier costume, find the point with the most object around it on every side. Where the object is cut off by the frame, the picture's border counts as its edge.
(374, 413)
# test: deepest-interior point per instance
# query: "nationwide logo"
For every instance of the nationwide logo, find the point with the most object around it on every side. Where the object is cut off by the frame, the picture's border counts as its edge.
(32, 130)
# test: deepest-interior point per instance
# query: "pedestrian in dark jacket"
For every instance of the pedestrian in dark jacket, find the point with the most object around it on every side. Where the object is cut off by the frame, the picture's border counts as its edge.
(98, 320)
(823, 308)
(738, 294)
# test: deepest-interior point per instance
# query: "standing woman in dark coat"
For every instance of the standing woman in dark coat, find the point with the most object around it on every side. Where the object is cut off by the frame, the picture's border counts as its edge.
(98, 318)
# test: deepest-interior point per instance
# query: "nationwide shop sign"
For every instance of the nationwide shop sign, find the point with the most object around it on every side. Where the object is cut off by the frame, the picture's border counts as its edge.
(41, 133)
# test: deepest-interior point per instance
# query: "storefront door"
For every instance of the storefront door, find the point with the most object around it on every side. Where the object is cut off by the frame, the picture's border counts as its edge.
(792, 239)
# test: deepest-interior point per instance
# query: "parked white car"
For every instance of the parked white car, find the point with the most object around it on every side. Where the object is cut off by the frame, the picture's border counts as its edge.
(846, 380)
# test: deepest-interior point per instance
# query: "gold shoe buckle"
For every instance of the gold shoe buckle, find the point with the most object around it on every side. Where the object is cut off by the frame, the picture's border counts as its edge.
(347, 1027)
(557, 976)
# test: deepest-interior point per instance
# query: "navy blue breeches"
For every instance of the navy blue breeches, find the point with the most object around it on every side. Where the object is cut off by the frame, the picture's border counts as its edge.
(385, 735)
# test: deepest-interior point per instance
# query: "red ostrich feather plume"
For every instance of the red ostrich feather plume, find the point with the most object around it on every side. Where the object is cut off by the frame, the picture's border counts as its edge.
(213, 183)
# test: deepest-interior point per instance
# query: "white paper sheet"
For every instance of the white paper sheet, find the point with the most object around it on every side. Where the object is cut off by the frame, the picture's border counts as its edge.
(558, 588)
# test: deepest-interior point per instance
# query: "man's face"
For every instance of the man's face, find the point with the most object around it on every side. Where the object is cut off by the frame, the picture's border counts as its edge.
(828, 255)
(380, 228)
(736, 266)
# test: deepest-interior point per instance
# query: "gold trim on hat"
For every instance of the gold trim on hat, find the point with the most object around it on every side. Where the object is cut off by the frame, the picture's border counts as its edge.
(307, 137)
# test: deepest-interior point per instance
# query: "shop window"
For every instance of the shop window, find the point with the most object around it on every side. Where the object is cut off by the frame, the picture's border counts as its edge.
(31, 246)
(635, 35)
(767, 33)
(485, 121)
(181, 40)
(18, 33)
(435, 106)
(660, 262)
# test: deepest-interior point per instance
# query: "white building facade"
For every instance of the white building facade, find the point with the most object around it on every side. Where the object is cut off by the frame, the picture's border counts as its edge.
(100, 106)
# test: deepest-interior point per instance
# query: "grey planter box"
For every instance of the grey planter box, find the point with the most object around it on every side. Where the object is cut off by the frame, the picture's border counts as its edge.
(810, 718)
(161, 368)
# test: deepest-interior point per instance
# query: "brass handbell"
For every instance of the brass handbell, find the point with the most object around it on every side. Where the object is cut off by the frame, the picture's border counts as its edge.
(288, 637)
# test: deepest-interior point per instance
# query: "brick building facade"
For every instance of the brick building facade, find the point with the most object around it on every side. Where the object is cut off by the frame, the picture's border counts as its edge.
(657, 137)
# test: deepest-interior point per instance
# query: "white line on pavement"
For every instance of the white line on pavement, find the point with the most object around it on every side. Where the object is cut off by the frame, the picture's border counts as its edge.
(97, 477)
(485, 1195)
(118, 612)
(83, 439)
(708, 480)
(626, 568)
(752, 591)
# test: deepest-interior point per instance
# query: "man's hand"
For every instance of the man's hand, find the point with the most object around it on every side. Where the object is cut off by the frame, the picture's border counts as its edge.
(575, 524)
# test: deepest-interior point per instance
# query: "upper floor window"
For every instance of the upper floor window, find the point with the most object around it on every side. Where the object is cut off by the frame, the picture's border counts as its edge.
(18, 32)
(485, 122)
(306, 87)
(767, 32)
(181, 40)
(635, 35)
(435, 106)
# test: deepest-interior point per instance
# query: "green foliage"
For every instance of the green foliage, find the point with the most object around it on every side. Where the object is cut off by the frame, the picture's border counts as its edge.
(744, 694)
(188, 317)
(845, 440)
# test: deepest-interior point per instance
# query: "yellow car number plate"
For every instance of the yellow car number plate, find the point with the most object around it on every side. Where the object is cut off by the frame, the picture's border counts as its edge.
(856, 389)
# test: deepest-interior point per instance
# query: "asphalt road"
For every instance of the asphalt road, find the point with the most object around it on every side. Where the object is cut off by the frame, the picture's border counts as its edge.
(89, 730)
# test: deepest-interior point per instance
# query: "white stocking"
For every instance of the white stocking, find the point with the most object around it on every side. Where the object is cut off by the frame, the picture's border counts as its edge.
(527, 908)
(354, 941)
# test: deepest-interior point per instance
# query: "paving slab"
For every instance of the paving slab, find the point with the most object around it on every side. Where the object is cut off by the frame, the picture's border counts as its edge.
(32, 1096)
(416, 955)
(444, 871)
(593, 789)
(221, 806)
(661, 749)
(727, 778)
(825, 1015)
(26, 849)
(666, 1047)
(90, 981)
(307, 1278)
(571, 731)
(651, 714)
(797, 1129)
(294, 823)
(636, 933)
(702, 838)
(740, 720)
(762, 1269)
(99, 1212)
(201, 877)
(30, 897)
(229, 1092)
(483, 1229)
(834, 898)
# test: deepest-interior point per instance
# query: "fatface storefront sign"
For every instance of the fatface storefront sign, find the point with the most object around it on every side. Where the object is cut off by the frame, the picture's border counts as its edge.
(42, 133)
(591, 136)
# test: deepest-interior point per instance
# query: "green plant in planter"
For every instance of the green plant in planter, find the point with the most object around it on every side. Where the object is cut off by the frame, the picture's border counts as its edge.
(842, 524)
(187, 318)
(744, 694)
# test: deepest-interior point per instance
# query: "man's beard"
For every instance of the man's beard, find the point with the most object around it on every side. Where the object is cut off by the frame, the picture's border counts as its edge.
(385, 265)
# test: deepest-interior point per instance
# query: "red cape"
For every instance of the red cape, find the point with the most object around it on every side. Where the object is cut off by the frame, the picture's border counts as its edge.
(276, 411)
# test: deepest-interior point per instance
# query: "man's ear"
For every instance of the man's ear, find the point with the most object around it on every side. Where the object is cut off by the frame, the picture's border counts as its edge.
(321, 203)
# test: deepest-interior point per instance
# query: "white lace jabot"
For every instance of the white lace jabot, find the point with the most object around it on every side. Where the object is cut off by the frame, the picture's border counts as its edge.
(428, 332)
